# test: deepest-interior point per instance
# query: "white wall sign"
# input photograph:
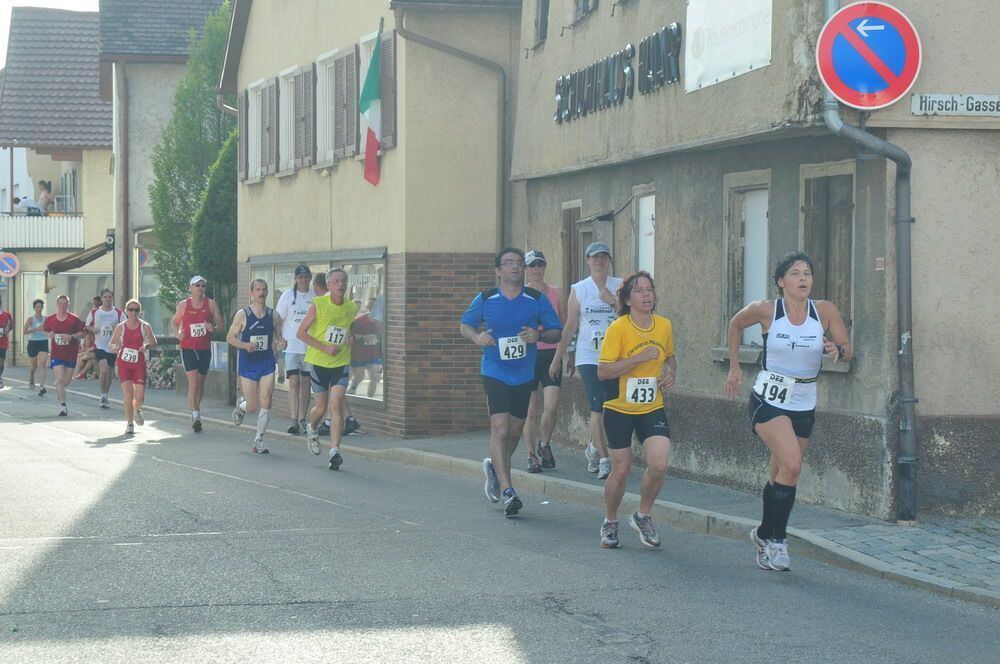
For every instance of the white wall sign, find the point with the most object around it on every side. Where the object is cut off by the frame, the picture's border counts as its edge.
(725, 38)
(945, 104)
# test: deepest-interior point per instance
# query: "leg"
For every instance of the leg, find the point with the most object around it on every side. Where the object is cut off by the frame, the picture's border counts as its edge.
(138, 395)
(374, 376)
(337, 402)
(293, 396)
(657, 452)
(33, 364)
(304, 396)
(530, 427)
(64, 374)
(194, 385)
(107, 372)
(128, 397)
(614, 489)
(550, 410)
(786, 451)
(43, 365)
(597, 435)
(500, 425)
(263, 393)
(250, 396)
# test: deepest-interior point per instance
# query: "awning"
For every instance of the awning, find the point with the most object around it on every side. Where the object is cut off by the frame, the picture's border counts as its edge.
(80, 258)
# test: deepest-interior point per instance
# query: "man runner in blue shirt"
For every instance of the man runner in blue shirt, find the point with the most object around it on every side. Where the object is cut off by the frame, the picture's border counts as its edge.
(505, 322)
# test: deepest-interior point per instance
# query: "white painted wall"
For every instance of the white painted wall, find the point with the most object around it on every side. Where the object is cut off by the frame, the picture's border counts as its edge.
(23, 185)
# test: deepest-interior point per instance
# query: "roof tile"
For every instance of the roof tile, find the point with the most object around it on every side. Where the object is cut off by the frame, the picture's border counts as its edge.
(152, 27)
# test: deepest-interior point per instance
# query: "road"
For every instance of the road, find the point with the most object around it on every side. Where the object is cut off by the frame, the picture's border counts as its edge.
(181, 547)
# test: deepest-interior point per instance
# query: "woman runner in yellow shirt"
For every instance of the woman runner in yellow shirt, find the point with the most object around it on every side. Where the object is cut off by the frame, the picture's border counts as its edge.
(637, 366)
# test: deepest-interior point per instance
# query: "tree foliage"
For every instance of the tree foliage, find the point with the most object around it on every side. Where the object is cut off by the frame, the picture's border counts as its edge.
(182, 160)
(213, 232)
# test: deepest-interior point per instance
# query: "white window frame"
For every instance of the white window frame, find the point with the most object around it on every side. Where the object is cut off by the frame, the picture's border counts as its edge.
(366, 45)
(286, 119)
(255, 170)
(325, 108)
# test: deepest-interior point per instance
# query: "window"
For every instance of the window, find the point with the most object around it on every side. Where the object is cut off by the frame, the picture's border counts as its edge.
(325, 109)
(644, 223)
(827, 231)
(747, 200)
(67, 201)
(365, 49)
(583, 7)
(541, 21)
(254, 123)
(287, 102)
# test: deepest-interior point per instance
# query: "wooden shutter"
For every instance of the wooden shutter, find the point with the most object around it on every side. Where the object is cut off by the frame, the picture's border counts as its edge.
(268, 124)
(339, 107)
(241, 148)
(387, 83)
(275, 125)
(298, 113)
(309, 116)
(351, 120)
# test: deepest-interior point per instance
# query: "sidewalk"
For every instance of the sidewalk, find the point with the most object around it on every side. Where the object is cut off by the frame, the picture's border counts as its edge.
(958, 558)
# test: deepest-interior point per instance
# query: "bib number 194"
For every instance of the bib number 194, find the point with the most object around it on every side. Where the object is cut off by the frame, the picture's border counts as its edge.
(774, 388)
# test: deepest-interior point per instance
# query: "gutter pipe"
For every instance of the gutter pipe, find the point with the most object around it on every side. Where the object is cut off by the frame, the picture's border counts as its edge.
(907, 457)
(503, 232)
(223, 106)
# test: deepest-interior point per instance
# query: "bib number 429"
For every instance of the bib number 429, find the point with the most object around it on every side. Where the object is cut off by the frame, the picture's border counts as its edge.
(512, 348)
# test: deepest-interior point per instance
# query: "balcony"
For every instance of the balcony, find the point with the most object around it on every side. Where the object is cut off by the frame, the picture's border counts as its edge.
(55, 231)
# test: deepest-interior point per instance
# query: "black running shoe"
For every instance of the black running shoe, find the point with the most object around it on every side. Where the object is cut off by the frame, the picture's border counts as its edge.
(336, 461)
(545, 452)
(196, 425)
(324, 429)
(512, 505)
(350, 426)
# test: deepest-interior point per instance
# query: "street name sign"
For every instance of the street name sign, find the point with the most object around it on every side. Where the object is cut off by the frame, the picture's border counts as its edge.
(955, 104)
(868, 55)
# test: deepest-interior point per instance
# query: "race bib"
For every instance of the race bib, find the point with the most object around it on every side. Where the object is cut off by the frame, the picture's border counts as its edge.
(335, 335)
(512, 348)
(641, 390)
(597, 339)
(259, 342)
(107, 330)
(62, 339)
(198, 330)
(774, 388)
(130, 355)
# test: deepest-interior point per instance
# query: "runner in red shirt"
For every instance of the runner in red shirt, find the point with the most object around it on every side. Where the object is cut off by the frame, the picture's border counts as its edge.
(130, 341)
(64, 330)
(195, 320)
(6, 326)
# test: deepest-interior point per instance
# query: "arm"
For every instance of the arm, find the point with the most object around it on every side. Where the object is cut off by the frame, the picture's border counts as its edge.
(668, 373)
(217, 321)
(838, 346)
(618, 368)
(239, 321)
(148, 336)
(484, 338)
(116, 338)
(91, 322)
(79, 334)
(27, 327)
(304, 336)
(753, 313)
(175, 322)
(568, 332)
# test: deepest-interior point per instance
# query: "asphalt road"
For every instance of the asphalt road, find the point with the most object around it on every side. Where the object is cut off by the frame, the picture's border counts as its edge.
(181, 547)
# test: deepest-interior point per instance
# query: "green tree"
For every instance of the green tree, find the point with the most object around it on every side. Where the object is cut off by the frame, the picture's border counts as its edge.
(181, 161)
(213, 232)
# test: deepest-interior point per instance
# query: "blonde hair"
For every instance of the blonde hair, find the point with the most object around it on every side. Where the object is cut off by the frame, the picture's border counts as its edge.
(135, 302)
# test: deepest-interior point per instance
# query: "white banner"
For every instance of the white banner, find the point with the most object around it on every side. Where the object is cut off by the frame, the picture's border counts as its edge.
(725, 38)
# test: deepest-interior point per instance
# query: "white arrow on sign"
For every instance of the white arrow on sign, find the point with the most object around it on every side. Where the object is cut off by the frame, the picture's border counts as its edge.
(864, 28)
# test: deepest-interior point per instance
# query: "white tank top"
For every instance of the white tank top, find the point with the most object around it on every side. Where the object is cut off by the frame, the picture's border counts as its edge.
(105, 322)
(795, 351)
(595, 317)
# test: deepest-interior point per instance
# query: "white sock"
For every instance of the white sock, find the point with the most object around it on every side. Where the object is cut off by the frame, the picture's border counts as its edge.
(327, 421)
(263, 417)
(334, 450)
(242, 404)
(196, 414)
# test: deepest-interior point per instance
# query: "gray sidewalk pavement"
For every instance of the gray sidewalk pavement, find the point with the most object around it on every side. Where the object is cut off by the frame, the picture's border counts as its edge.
(955, 557)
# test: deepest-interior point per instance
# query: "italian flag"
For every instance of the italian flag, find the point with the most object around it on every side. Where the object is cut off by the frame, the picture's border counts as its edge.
(370, 106)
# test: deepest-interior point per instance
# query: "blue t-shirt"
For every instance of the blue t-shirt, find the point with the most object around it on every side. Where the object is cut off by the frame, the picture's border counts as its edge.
(511, 361)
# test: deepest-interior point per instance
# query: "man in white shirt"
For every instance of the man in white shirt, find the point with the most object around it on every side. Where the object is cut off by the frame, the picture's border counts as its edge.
(102, 322)
(291, 309)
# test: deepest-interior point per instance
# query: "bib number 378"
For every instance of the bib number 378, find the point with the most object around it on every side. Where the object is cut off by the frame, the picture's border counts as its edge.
(641, 390)
(512, 348)
(774, 388)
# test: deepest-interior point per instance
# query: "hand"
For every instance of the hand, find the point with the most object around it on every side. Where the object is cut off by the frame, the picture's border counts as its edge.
(648, 354)
(349, 339)
(282, 345)
(248, 347)
(180, 334)
(666, 381)
(607, 296)
(831, 350)
(733, 382)
(485, 338)
(332, 349)
(570, 365)
(555, 369)
(529, 334)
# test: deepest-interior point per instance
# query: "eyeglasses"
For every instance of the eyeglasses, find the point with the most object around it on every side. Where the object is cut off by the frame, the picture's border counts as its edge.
(512, 263)
(133, 309)
(198, 285)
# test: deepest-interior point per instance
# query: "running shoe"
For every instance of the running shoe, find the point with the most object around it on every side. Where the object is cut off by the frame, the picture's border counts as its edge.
(545, 452)
(260, 447)
(533, 464)
(41, 392)
(512, 504)
(31, 385)
(777, 555)
(129, 430)
(238, 415)
(590, 452)
(492, 486)
(603, 468)
(312, 439)
(139, 419)
(294, 428)
(302, 426)
(336, 461)
(762, 560)
(2, 384)
(609, 535)
(324, 429)
(350, 426)
(644, 526)
(63, 412)
(196, 425)
(104, 402)
(79, 376)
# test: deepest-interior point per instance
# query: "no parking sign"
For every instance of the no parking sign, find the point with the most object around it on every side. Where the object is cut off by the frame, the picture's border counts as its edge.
(868, 55)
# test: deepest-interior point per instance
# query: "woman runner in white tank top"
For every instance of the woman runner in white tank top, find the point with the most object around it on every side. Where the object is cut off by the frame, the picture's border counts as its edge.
(783, 398)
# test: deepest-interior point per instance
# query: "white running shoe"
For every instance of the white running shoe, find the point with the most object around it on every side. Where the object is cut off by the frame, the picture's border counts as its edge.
(312, 439)
(492, 486)
(761, 550)
(260, 447)
(777, 555)
(239, 412)
(139, 419)
(603, 468)
(590, 452)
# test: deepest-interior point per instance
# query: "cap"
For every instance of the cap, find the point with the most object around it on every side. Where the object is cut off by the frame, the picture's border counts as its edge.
(302, 269)
(533, 257)
(196, 278)
(598, 248)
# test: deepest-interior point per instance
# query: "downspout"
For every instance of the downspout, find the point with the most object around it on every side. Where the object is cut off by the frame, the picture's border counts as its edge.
(223, 106)
(907, 459)
(503, 232)
(126, 230)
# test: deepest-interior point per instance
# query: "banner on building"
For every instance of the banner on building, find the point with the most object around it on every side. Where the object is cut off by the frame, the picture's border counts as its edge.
(725, 38)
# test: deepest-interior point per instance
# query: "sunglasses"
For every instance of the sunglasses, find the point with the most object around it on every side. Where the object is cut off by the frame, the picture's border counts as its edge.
(133, 309)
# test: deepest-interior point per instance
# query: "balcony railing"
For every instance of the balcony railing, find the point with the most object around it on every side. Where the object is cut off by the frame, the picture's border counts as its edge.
(55, 231)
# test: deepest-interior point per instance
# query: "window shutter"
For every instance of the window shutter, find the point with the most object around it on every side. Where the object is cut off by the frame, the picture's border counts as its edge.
(298, 113)
(241, 148)
(309, 116)
(263, 116)
(275, 149)
(351, 115)
(387, 71)
(339, 107)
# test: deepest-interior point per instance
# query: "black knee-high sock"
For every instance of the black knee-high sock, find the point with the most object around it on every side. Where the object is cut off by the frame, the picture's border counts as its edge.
(783, 501)
(766, 526)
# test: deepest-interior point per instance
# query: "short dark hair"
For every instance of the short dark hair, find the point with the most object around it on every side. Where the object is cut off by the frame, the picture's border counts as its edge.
(786, 262)
(38, 301)
(507, 250)
(628, 285)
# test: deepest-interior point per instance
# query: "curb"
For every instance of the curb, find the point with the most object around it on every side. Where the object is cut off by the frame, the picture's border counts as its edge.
(683, 517)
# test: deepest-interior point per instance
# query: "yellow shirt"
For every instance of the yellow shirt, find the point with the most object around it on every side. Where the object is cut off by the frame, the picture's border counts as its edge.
(636, 392)
(331, 326)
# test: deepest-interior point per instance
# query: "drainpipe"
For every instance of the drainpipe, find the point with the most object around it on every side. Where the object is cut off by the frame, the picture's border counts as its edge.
(126, 226)
(223, 106)
(907, 459)
(503, 232)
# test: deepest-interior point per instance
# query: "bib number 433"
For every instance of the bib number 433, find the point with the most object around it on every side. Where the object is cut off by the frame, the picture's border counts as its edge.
(641, 390)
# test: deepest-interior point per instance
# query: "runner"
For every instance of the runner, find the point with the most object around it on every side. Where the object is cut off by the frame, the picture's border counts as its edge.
(102, 322)
(38, 347)
(6, 326)
(590, 310)
(195, 320)
(539, 448)
(289, 312)
(783, 398)
(64, 330)
(326, 329)
(252, 332)
(637, 366)
(505, 322)
(130, 341)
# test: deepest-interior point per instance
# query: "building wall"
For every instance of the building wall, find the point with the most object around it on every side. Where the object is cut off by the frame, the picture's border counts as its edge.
(23, 182)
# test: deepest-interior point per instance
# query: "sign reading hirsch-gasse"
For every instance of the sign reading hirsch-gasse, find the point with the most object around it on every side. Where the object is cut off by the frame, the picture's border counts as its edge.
(945, 104)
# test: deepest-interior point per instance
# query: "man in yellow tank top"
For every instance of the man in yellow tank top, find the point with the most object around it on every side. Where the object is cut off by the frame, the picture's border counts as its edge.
(326, 330)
